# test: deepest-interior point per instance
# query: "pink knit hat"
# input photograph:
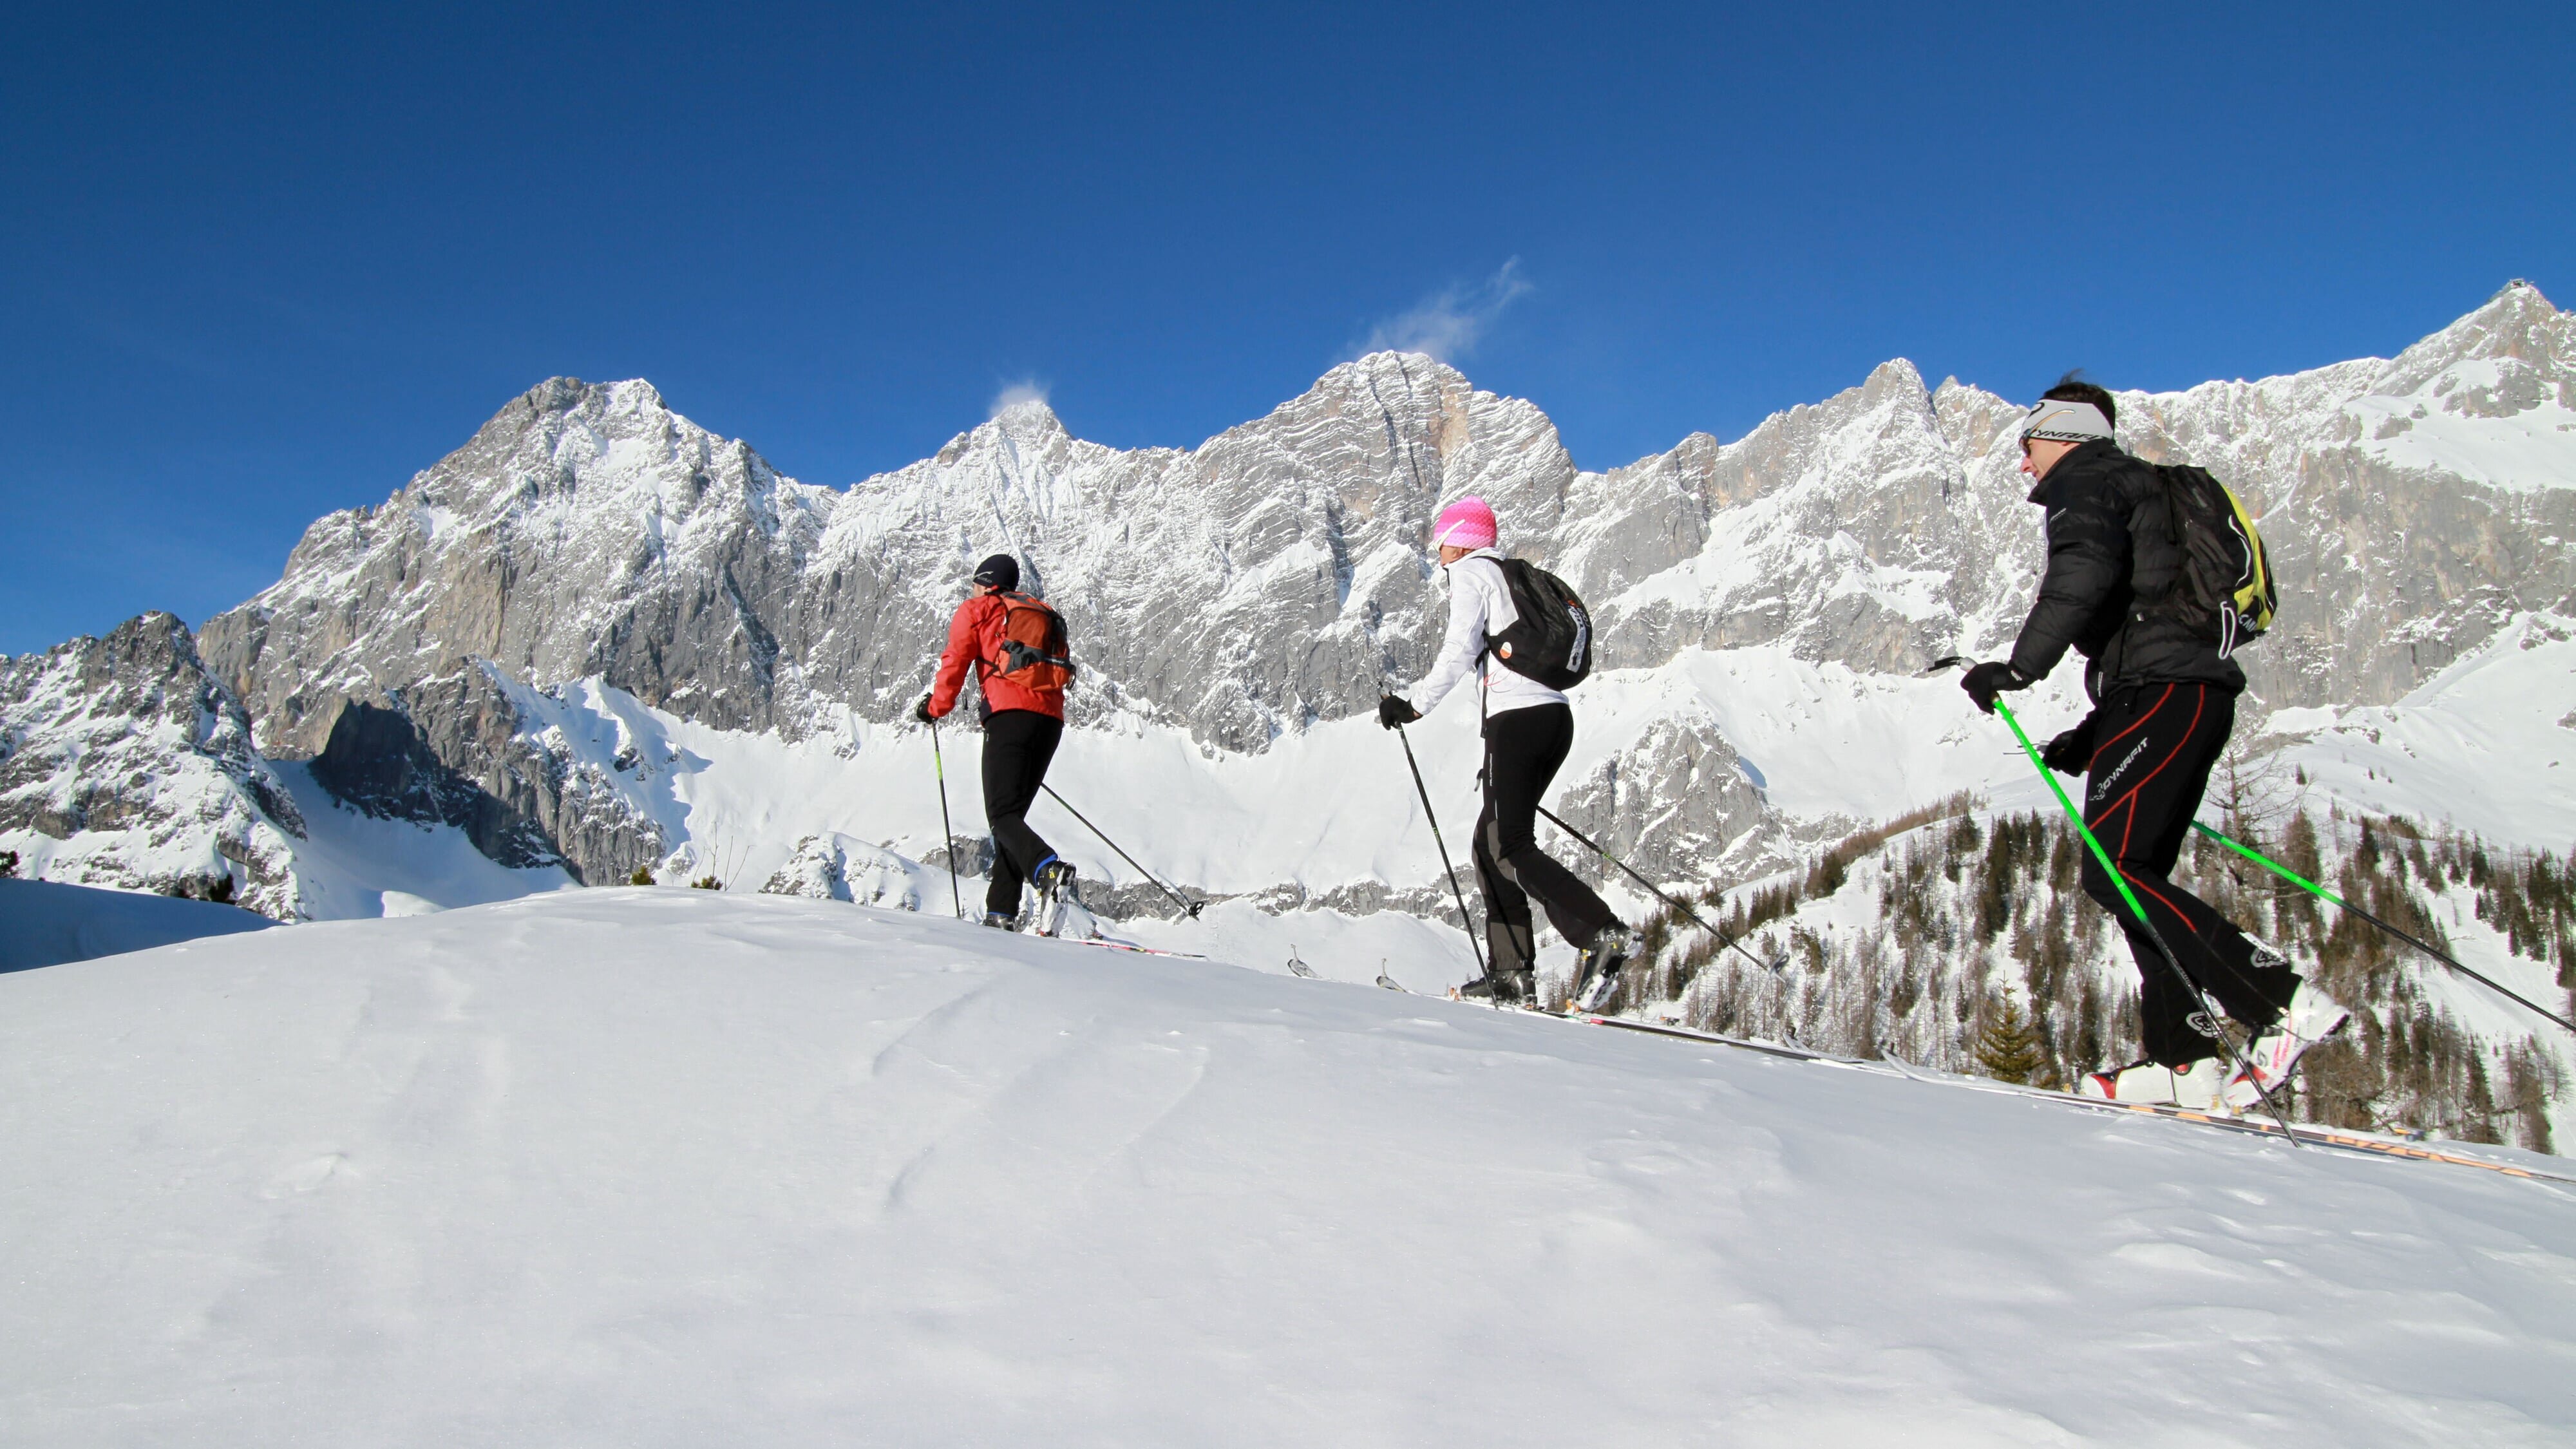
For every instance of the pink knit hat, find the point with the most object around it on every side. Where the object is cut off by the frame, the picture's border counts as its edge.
(1467, 523)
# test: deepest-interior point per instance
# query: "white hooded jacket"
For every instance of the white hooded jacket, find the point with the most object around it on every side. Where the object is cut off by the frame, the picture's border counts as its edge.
(1480, 605)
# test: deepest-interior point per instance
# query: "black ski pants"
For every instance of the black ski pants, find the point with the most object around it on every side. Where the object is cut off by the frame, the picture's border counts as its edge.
(1018, 745)
(2157, 743)
(1523, 749)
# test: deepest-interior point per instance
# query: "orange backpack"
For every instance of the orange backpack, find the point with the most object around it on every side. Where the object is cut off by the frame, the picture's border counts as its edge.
(1035, 654)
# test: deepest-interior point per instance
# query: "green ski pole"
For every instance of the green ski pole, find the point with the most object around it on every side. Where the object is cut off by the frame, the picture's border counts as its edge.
(2285, 873)
(2208, 1008)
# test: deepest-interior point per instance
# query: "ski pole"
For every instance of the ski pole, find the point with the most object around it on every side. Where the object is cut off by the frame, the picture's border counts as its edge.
(1723, 939)
(1193, 907)
(947, 832)
(1464, 922)
(2315, 889)
(2209, 1009)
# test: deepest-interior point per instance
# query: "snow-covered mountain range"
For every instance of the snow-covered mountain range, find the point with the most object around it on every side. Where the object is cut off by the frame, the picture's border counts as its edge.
(598, 639)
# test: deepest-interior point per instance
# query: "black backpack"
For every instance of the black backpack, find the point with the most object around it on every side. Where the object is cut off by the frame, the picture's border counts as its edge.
(2226, 593)
(1551, 641)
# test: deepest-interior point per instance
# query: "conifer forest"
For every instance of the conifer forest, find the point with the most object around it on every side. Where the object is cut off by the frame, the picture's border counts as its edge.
(1960, 939)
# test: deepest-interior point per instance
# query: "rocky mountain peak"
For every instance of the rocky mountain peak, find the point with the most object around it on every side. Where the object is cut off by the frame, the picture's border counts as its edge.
(1027, 417)
(2511, 354)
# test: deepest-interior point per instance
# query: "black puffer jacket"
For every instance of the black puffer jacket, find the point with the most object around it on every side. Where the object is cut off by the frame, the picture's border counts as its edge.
(2110, 544)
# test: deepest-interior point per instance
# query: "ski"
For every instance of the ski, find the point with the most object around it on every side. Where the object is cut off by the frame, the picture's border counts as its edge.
(1112, 943)
(2256, 1126)
(2347, 1141)
(1655, 1028)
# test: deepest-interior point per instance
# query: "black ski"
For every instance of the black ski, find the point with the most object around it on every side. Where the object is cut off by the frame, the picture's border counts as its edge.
(2253, 1126)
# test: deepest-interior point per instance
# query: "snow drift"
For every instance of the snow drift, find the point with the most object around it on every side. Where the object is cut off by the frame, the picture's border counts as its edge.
(644, 1167)
(43, 923)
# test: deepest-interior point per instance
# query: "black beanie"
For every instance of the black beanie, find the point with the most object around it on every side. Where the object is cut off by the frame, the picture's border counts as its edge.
(1000, 571)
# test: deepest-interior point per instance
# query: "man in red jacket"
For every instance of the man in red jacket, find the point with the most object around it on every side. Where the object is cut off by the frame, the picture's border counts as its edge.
(1023, 720)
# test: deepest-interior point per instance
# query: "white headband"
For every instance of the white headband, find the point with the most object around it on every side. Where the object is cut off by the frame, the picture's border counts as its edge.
(2065, 422)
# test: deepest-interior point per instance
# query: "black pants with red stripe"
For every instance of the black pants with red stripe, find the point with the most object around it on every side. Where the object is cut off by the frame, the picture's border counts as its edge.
(2157, 743)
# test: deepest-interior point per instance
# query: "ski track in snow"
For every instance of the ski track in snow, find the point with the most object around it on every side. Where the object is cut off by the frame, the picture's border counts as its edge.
(631, 1166)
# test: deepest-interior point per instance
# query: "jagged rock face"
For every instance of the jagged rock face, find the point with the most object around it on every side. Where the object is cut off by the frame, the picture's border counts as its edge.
(521, 804)
(2412, 507)
(1278, 574)
(1848, 531)
(585, 530)
(1272, 575)
(833, 867)
(1887, 525)
(124, 763)
(1672, 806)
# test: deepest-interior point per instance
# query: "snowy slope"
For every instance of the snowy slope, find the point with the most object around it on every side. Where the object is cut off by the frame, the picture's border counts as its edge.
(44, 924)
(673, 1167)
(351, 866)
(2489, 743)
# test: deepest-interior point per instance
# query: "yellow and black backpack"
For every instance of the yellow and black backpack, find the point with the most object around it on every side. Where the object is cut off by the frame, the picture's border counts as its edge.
(2226, 592)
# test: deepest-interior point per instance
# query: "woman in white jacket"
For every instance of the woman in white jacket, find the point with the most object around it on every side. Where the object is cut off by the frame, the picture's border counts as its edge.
(1528, 730)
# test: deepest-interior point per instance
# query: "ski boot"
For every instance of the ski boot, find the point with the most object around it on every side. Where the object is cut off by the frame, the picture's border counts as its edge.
(1502, 988)
(2311, 1017)
(1596, 972)
(1002, 920)
(2195, 1084)
(1055, 887)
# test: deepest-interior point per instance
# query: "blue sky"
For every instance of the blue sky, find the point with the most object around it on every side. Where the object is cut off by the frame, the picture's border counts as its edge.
(260, 266)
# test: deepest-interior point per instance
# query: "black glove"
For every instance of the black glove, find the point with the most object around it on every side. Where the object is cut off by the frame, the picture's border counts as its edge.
(922, 712)
(2071, 753)
(1985, 681)
(1393, 711)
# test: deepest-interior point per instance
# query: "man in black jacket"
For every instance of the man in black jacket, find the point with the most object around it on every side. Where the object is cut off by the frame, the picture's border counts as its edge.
(2164, 701)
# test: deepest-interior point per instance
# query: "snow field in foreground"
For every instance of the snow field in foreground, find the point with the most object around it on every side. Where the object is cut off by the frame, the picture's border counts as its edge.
(674, 1167)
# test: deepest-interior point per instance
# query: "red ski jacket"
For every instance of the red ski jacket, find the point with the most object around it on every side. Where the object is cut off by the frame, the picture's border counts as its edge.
(975, 637)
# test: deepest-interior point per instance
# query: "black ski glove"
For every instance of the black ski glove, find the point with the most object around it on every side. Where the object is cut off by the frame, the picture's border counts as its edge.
(2071, 753)
(1985, 681)
(1393, 711)
(922, 712)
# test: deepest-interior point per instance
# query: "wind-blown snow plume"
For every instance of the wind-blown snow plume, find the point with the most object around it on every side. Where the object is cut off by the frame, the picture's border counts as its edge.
(1448, 324)
(1013, 394)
